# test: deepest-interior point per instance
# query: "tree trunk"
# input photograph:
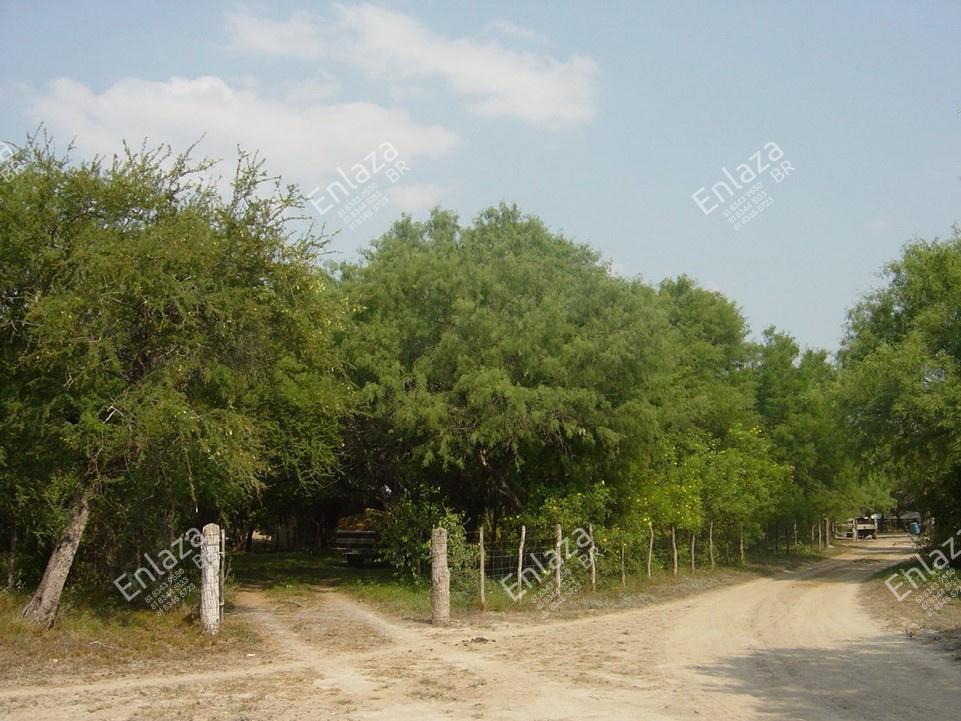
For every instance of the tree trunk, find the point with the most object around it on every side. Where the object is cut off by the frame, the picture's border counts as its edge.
(674, 547)
(42, 608)
(650, 548)
(710, 542)
(249, 541)
(12, 558)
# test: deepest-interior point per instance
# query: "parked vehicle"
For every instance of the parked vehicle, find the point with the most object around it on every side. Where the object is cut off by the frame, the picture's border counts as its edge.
(866, 527)
(357, 537)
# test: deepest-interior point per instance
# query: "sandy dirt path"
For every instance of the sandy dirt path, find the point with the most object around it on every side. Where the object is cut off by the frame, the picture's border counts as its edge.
(793, 647)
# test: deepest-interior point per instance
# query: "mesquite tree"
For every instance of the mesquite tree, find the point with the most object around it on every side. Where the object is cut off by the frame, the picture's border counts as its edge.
(153, 328)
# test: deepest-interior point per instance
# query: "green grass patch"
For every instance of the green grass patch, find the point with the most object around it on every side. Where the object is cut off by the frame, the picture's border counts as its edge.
(298, 574)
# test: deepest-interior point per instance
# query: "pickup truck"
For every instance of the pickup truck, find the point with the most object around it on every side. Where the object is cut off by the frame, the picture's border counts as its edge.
(866, 528)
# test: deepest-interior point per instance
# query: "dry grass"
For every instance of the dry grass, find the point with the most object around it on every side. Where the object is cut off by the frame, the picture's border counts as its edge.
(98, 638)
(915, 615)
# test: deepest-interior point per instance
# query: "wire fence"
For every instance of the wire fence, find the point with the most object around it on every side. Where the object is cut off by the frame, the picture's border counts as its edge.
(540, 564)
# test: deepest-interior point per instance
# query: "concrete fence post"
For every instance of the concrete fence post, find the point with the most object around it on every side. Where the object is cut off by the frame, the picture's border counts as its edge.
(210, 579)
(439, 578)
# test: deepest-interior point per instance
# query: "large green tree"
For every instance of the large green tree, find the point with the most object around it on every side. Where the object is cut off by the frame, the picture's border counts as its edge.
(167, 351)
(902, 377)
(501, 361)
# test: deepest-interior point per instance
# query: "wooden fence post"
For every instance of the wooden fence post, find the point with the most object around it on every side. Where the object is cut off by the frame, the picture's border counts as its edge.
(592, 552)
(710, 542)
(693, 539)
(650, 548)
(520, 561)
(483, 571)
(439, 578)
(674, 546)
(210, 579)
(557, 560)
(623, 574)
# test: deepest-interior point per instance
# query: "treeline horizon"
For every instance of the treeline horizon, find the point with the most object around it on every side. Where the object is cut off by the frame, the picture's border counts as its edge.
(173, 357)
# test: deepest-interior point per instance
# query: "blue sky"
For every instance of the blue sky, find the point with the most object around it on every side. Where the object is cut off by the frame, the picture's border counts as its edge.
(602, 119)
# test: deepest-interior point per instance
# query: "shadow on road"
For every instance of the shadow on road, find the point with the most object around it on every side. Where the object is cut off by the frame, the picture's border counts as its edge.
(879, 681)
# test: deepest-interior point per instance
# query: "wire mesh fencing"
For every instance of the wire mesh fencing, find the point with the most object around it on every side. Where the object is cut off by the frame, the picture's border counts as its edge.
(546, 566)
(521, 565)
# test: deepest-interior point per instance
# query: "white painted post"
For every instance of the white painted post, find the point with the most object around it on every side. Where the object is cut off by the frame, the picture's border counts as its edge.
(210, 579)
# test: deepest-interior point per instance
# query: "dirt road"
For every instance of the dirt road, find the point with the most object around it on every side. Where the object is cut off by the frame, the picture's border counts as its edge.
(794, 647)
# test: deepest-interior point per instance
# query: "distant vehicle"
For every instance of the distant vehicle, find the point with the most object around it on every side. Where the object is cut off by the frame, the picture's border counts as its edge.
(357, 537)
(866, 527)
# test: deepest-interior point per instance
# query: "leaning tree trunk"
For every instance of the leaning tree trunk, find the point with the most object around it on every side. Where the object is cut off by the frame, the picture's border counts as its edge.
(674, 546)
(42, 608)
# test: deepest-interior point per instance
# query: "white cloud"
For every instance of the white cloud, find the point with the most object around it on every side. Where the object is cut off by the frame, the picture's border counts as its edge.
(311, 90)
(512, 30)
(494, 80)
(417, 197)
(297, 37)
(306, 142)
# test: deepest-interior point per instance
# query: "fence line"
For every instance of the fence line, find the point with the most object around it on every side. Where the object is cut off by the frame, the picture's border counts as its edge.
(514, 563)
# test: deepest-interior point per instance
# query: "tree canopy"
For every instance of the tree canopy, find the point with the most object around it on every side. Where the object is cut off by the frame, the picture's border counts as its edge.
(175, 354)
